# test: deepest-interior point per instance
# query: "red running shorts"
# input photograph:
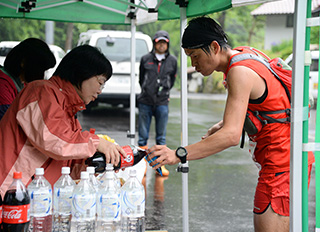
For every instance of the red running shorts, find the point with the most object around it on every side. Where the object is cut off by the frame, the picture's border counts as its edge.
(274, 189)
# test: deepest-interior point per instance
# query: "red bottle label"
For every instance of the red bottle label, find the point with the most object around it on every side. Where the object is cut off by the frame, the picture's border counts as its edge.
(127, 162)
(15, 214)
(0, 214)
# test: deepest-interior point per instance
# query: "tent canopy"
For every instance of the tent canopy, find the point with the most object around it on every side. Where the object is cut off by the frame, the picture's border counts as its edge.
(112, 11)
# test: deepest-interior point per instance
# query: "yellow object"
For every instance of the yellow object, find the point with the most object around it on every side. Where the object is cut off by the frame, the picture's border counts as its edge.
(106, 137)
(165, 172)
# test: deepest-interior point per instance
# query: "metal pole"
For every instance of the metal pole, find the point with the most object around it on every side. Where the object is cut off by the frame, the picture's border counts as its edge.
(305, 128)
(184, 123)
(133, 83)
(49, 32)
(297, 116)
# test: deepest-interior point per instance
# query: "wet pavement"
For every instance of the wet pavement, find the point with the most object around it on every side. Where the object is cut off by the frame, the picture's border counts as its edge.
(221, 187)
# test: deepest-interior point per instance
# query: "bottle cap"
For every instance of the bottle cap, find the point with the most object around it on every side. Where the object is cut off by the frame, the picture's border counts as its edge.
(109, 167)
(39, 171)
(109, 175)
(84, 175)
(132, 172)
(91, 170)
(17, 175)
(65, 170)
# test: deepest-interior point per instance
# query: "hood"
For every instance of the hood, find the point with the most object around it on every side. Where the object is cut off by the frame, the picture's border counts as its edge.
(161, 35)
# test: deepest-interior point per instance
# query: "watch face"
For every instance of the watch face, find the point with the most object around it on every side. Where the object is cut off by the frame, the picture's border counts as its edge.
(181, 151)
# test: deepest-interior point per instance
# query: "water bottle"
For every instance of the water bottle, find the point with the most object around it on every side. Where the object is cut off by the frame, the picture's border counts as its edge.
(93, 180)
(62, 200)
(109, 168)
(40, 192)
(109, 205)
(83, 206)
(133, 204)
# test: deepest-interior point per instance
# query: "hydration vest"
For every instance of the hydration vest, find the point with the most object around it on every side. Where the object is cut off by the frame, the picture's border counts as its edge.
(257, 119)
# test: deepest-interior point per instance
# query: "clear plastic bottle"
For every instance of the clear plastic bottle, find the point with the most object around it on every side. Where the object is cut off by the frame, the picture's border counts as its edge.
(109, 205)
(93, 180)
(109, 168)
(62, 200)
(83, 206)
(40, 192)
(133, 204)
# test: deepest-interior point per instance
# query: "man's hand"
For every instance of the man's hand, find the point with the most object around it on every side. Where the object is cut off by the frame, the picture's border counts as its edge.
(165, 156)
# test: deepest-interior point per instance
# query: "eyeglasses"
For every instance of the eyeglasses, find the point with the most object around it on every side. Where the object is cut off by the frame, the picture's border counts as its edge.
(102, 81)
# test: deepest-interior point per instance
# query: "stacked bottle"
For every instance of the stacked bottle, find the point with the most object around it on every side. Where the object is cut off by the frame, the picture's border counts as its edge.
(62, 201)
(109, 204)
(93, 180)
(133, 204)
(16, 205)
(40, 192)
(83, 205)
(109, 168)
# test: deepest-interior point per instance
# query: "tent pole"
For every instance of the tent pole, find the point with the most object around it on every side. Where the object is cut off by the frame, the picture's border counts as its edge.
(297, 117)
(184, 122)
(132, 132)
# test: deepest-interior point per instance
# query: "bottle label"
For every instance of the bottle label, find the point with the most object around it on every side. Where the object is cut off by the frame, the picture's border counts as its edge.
(16, 214)
(127, 162)
(84, 206)
(0, 214)
(63, 199)
(109, 206)
(41, 202)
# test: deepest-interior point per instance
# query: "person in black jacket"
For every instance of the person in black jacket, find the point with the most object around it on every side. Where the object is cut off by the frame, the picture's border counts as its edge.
(157, 75)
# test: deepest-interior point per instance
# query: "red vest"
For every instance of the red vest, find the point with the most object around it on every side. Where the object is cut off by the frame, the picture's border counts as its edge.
(272, 151)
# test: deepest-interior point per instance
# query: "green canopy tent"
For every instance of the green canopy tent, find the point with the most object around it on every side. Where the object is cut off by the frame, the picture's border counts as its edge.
(133, 12)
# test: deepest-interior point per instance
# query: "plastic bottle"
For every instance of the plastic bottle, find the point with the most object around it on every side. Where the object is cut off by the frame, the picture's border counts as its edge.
(16, 206)
(0, 213)
(62, 200)
(133, 204)
(134, 155)
(83, 206)
(109, 205)
(93, 180)
(40, 192)
(109, 168)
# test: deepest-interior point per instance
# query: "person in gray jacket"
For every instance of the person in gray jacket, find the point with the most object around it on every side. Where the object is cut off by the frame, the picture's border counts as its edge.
(157, 76)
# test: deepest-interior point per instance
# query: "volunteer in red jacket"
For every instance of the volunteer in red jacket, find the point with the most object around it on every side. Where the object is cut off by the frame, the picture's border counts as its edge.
(25, 62)
(249, 88)
(40, 129)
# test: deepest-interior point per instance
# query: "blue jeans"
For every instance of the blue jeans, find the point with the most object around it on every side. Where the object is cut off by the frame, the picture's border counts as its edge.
(144, 120)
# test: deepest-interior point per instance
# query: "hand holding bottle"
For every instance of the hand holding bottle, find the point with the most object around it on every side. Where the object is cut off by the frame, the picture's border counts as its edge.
(111, 151)
(164, 156)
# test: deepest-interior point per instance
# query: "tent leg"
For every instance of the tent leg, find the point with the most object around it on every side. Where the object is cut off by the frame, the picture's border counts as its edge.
(184, 123)
(132, 132)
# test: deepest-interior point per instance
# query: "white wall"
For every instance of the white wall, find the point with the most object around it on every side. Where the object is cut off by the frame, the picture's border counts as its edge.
(276, 30)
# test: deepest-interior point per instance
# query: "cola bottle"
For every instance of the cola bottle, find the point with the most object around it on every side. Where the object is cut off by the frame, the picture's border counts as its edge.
(16, 206)
(0, 213)
(134, 155)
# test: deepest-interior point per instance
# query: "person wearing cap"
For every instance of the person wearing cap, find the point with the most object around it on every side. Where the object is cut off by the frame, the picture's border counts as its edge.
(26, 62)
(251, 87)
(157, 76)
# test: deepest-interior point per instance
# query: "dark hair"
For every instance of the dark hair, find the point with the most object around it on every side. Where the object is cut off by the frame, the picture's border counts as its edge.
(31, 57)
(82, 63)
(201, 31)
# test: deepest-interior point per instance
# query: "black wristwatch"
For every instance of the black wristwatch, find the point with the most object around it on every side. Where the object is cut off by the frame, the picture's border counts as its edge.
(182, 153)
